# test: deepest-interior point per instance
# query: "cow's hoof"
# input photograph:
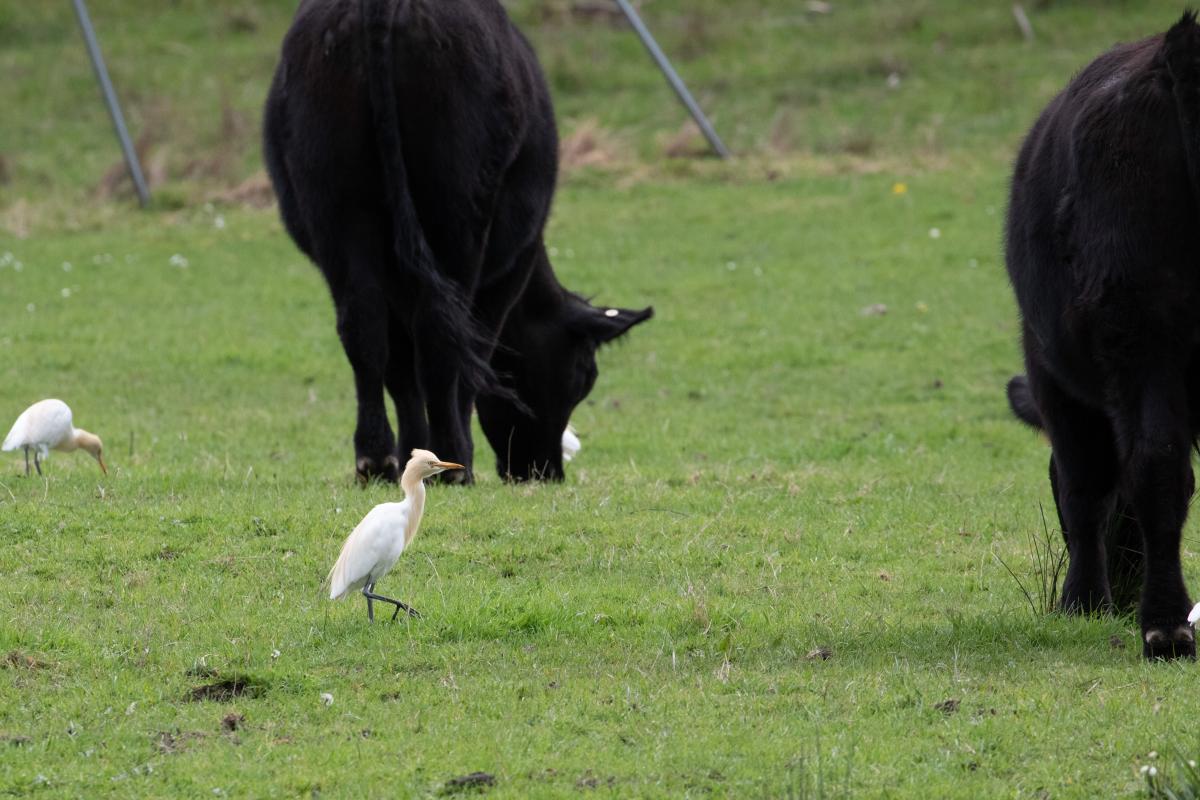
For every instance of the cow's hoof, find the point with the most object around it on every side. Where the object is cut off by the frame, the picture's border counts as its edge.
(1165, 643)
(369, 469)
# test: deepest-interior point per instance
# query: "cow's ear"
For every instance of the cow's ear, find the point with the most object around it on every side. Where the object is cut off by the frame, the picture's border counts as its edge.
(602, 324)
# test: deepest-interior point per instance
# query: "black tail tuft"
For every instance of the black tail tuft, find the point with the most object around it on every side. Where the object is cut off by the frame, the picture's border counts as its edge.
(1181, 52)
(1181, 49)
(1020, 399)
(443, 326)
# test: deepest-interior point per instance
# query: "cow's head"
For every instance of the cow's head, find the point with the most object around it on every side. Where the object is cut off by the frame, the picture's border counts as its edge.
(548, 354)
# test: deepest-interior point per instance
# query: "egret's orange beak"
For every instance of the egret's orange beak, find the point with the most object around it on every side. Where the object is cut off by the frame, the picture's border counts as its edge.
(103, 468)
(448, 465)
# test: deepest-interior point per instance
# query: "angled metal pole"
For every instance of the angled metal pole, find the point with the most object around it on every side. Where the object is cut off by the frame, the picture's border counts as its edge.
(110, 99)
(673, 78)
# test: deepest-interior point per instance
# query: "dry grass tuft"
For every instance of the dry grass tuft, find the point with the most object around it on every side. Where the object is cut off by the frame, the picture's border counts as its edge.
(16, 219)
(589, 145)
(254, 192)
(687, 142)
(603, 12)
(152, 153)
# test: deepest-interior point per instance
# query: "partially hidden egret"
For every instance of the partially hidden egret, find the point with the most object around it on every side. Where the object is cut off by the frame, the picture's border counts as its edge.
(373, 546)
(570, 443)
(46, 425)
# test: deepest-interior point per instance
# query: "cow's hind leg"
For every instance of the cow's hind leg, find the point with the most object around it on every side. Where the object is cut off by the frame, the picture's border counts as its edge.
(449, 430)
(362, 323)
(1122, 548)
(456, 236)
(1158, 480)
(1084, 476)
(448, 427)
(404, 385)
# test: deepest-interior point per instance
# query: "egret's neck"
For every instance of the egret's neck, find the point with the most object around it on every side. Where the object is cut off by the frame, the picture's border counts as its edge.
(76, 440)
(414, 492)
(85, 440)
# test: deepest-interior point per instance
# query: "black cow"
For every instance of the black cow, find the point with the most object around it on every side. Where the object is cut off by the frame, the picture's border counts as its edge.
(1103, 249)
(413, 149)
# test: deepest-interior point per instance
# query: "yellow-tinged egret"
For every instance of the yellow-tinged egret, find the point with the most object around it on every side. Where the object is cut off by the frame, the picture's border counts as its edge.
(46, 425)
(373, 547)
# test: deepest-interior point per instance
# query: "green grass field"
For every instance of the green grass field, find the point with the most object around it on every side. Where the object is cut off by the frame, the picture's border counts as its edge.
(775, 569)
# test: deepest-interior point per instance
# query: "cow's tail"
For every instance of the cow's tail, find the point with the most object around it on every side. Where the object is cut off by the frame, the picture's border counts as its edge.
(1020, 399)
(1181, 52)
(443, 327)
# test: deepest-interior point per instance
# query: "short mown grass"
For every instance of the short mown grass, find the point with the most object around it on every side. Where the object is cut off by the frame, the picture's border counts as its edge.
(766, 472)
(775, 569)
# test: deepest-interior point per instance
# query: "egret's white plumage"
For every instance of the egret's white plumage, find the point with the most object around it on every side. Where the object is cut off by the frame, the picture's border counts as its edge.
(1194, 616)
(47, 425)
(372, 548)
(570, 443)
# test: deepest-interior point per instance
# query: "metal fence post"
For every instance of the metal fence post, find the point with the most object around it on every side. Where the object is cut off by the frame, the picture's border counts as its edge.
(673, 78)
(110, 99)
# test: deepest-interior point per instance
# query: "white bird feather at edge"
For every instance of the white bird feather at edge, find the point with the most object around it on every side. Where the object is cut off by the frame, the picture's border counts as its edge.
(570, 443)
(45, 425)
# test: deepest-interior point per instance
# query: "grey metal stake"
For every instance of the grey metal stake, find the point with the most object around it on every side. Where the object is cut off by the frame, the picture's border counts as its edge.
(110, 99)
(673, 78)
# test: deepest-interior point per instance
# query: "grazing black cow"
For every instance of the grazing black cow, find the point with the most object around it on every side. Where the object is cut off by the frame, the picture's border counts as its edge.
(413, 149)
(1103, 249)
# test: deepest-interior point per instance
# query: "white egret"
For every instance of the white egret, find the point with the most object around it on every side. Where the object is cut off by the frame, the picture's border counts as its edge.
(570, 443)
(46, 425)
(373, 546)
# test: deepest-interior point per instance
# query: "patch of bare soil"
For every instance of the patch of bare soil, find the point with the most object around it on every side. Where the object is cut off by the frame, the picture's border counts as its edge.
(947, 707)
(474, 782)
(167, 742)
(15, 659)
(225, 690)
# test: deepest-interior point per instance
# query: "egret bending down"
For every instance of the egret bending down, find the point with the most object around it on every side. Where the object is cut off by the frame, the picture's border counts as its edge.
(570, 443)
(46, 425)
(373, 546)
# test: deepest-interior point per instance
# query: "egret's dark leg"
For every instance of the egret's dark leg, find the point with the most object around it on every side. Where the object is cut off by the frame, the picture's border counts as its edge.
(369, 593)
(26, 461)
(37, 463)
(407, 609)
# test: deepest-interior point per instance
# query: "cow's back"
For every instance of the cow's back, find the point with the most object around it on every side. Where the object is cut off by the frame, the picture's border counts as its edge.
(468, 93)
(1102, 219)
